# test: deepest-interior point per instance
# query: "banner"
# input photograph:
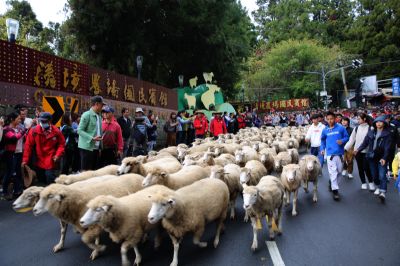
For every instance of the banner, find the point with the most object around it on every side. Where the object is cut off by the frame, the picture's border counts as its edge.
(291, 104)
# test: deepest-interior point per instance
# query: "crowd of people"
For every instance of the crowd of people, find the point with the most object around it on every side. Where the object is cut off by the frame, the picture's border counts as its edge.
(97, 138)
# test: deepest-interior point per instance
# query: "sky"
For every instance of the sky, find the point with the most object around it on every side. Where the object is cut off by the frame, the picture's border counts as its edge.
(51, 10)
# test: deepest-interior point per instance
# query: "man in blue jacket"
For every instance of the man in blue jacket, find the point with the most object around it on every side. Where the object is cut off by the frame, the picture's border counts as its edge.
(333, 139)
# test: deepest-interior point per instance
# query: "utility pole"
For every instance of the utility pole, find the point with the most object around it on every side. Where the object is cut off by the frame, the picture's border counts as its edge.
(324, 88)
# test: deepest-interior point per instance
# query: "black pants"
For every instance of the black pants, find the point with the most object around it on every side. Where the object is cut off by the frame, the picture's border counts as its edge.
(108, 156)
(363, 168)
(67, 161)
(13, 165)
(89, 159)
(45, 176)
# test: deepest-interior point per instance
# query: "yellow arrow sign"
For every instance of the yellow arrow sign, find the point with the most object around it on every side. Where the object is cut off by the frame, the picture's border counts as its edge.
(55, 106)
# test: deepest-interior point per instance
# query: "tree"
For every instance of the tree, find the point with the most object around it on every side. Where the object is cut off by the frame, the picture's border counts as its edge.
(273, 69)
(174, 37)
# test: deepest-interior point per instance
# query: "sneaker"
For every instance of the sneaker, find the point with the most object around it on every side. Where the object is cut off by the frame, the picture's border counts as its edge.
(376, 192)
(364, 186)
(344, 172)
(382, 196)
(371, 186)
(336, 196)
(351, 176)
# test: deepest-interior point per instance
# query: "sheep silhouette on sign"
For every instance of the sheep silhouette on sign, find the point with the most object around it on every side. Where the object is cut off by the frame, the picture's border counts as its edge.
(191, 100)
(208, 98)
(193, 82)
(208, 77)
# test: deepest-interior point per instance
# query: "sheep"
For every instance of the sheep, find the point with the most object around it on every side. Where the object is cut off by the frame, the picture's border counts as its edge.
(68, 204)
(131, 165)
(310, 168)
(252, 172)
(230, 174)
(279, 146)
(69, 179)
(280, 160)
(245, 154)
(265, 199)
(259, 146)
(189, 209)
(184, 177)
(292, 143)
(156, 156)
(205, 161)
(193, 82)
(224, 159)
(291, 178)
(294, 154)
(173, 150)
(191, 101)
(125, 219)
(226, 148)
(267, 158)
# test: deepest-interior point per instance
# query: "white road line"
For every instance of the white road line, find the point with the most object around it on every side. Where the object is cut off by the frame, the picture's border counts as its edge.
(274, 252)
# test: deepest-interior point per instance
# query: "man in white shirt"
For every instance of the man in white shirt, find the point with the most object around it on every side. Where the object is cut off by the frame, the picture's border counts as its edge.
(314, 137)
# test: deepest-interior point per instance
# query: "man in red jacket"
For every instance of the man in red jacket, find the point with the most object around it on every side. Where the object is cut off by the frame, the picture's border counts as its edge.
(217, 125)
(200, 125)
(48, 144)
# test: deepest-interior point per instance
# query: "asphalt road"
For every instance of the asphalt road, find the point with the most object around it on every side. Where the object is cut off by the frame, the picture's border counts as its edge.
(358, 230)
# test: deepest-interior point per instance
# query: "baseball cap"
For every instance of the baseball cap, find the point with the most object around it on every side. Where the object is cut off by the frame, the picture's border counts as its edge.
(139, 109)
(97, 99)
(45, 116)
(107, 109)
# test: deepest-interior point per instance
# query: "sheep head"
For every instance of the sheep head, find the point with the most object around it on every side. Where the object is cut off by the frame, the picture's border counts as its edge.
(182, 153)
(250, 196)
(188, 161)
(50, 197)
(239, 156)
(98, 208)
(311, 163)
(278, 164)
(28, 198)
(290, 173)
(245, 175)
(157, 176)
(217, 171)
(161, 207)
(256, 146)
(129, 165)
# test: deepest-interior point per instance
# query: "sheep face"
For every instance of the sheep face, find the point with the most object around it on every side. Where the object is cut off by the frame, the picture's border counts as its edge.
(250, 195)
(128, 165)
(182, 153)
(263, 157)
(160, 208)
(217, 172)
(290, 144)
(93, 216)
(291, 175)
(239, 156)
(188, 161)
(245, 175)
(278, 165)
(218, 151)
(157, 177)
(28, 198)
(311, 164)
(256, 146)
(50, 197)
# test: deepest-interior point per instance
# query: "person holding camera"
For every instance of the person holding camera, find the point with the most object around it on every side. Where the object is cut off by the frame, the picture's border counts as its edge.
(140, 126)
(379, 142)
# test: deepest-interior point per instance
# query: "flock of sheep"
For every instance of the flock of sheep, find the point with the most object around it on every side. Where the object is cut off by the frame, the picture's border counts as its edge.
(180, 189)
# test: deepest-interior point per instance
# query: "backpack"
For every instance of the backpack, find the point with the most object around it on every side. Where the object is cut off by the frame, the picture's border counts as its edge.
(138, 136)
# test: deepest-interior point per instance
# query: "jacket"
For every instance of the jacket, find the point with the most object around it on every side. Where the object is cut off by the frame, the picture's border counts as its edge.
(329, 137)
(11, 137)
(87, 130)
(200, 125)
(46, 144)
(383, 148)
(357, 137)
(395, 164)
(125, 127)
(217, 127)
(112, 138)
(241, 122)
(314, 134)
(69, 136)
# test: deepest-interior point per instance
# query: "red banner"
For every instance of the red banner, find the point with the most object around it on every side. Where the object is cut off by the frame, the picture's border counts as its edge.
(291, 104)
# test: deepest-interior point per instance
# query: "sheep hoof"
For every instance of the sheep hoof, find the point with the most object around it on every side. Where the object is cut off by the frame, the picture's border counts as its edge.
(294, 213)
(94, 255)
(315, 200)
(305, 190)
(173, 263)
(254, 246)
(137, 261)
(57, 248)
(232, 216)
(202, 244)
(272, 237)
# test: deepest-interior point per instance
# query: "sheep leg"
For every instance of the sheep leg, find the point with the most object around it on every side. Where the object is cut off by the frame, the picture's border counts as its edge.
(287, 197)
(271, 231)
(232, 207)
(220, 226)
(197, 236)
(254, 245)
(315, 198)
(124, 254)
(175, 242)
(90, 239)
(60, 244)
(138, 258)
(246, 216)
(278, 220)
(294, 212)
(305, 186)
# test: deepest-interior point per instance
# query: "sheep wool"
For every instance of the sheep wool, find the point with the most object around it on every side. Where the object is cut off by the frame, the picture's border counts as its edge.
(292, 178)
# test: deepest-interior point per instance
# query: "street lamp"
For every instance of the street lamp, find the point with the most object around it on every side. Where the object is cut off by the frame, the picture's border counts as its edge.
(242, 93)
(12, 29)
(180, 78)
(139, 64)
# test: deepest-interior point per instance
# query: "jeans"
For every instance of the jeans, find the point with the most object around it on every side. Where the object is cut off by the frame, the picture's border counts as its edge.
(108, 156)
(13, 165)
(67, 161)
(315, 151)
(45, 175)
(89, 159)
(378, 172)
(150, 145)
(126, 147)
(180, 137)
(363, 168)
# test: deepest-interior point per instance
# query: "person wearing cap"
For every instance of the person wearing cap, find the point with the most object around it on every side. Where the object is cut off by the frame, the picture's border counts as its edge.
(13, 135)
(217, 125)
(200, 125)
(48, 144)
(113, 144)
(71, 145)
(333, 139)
(90, 135)
(313, 137)
(140, 126)
(379, 142)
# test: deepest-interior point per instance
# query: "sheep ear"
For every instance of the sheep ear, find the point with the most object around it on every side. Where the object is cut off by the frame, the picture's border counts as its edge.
(59, 197)
(106, 208)
(163, 174)
(171, 202)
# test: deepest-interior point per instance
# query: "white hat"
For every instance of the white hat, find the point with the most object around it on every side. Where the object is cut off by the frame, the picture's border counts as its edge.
(139, 109)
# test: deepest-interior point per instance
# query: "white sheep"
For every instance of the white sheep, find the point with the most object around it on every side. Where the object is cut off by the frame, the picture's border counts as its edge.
(132, 165)
(125, 219)
(265, 199)
(173, 150)
(245, 154)
(226, 148)
(184, 177)
(292, 178)
(294, 153)
(280, 160)
(252, 172)
(230, 174)
(224, 159)
(267, 158)
(69, 179)
(68, 204)
(292, 143)
(311, 169)
(189, 209)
